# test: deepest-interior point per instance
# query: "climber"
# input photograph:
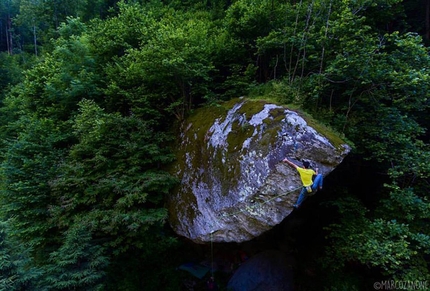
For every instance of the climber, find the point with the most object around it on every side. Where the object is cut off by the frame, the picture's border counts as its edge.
(306, 175)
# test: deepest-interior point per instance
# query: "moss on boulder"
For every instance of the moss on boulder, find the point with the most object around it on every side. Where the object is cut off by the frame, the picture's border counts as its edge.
(233, 184)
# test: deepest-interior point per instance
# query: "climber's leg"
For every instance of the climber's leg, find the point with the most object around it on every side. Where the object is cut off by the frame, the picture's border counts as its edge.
(318, 182)
(301, 198)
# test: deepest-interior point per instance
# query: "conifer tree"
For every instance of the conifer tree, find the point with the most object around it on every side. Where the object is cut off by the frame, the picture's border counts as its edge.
(112, 180)
(79, 264)
(16, 269)
(8, 269)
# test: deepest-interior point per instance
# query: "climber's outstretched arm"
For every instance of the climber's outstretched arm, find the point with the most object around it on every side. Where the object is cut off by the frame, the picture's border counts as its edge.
(290, 163)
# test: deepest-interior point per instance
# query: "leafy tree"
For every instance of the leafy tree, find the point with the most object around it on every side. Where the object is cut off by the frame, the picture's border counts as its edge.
(54, 86)
(39, 20)
(11, 72)
(31, 19)
(88, 10)
(381, 95)
(8, 9)
(130, 28)
(375, 89)
(388, 245)
(249, 20)
(171, 72)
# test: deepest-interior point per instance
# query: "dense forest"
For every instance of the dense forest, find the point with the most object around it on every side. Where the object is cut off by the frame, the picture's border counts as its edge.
(92, 93)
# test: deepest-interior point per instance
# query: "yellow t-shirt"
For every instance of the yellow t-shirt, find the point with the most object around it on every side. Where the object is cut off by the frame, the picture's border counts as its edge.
(306, 176)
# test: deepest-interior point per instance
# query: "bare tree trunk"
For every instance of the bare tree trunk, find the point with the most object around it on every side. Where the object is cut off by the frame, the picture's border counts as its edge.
(55, 15)
(1, 33)
(427, 34)
(304, 40)
(6, 37)
(291, 76)
(275, 67)
(350, 105)
(331, 99)
(325, 36)
(9, 40)
(35, 39)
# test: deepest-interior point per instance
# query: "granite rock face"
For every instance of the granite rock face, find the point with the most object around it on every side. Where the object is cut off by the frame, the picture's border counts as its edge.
(234, 185)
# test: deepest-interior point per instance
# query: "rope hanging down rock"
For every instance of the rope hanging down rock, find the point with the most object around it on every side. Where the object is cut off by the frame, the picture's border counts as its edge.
(259, 204)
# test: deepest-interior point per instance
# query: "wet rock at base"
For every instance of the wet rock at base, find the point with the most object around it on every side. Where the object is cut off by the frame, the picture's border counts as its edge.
(266, 271)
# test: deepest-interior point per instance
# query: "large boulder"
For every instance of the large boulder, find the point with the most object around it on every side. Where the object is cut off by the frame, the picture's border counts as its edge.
(234, 185)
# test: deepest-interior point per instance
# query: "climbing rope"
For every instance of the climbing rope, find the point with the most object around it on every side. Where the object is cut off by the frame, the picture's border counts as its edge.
(260, 204)
(211, 281)
(212, 256)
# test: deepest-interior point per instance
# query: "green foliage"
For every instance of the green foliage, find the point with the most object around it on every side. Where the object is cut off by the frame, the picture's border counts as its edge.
(29, 163)
(38, 21)
(84, 131)
(247, 22)
(407, 206)
(170, 71)
(8, 268)
(383, 73)
(250, 19)
(11, 74)
(110, 182)
(389, 245)
(131, 28)
(78, 264)
(54, 86)
(153, 267)
(409, 76)
(16, 272)
(397, 138)
(10, 70)
(380, 94)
